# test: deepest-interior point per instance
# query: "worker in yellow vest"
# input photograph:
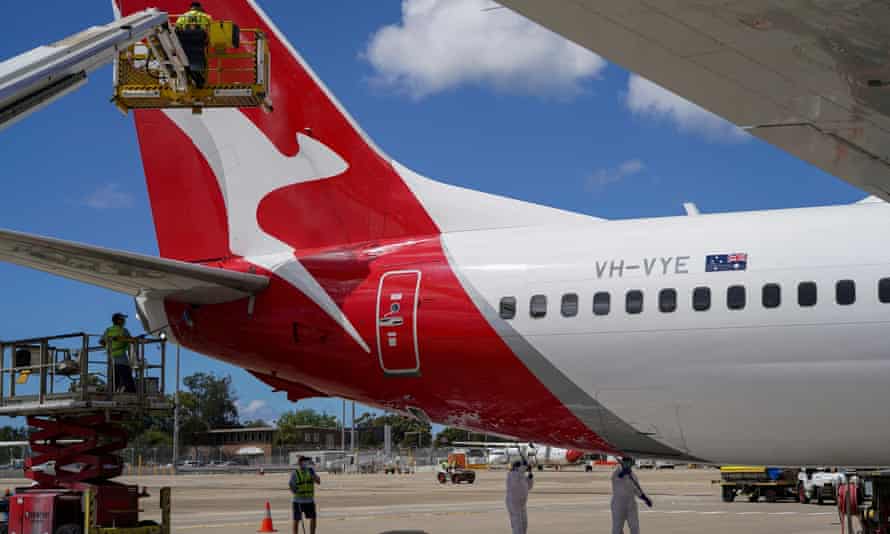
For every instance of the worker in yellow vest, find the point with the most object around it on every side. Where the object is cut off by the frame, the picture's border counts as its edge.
(302, 487)
(116, 341)
(192, 29)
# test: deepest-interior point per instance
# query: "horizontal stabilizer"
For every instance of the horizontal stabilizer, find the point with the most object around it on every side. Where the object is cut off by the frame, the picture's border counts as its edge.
(127, 272)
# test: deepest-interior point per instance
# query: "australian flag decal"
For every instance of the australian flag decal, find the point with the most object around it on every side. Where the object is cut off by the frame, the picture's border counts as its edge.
(726, 262)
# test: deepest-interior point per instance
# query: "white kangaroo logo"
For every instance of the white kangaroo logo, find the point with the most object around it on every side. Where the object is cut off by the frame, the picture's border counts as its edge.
(248, 167)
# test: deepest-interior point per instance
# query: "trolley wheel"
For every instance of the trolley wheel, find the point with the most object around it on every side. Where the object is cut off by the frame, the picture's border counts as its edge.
(442, 478)
(802, 494)
(772, 495)
(69, 528)
(728, 494)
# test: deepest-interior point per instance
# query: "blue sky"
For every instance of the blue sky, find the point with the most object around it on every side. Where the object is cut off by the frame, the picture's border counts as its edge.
(530, 117)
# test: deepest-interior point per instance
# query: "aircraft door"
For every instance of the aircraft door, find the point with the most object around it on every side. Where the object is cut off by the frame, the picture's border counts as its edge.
(397, 299)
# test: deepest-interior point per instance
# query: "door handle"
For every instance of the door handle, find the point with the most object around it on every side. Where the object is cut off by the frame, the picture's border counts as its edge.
(391, 321)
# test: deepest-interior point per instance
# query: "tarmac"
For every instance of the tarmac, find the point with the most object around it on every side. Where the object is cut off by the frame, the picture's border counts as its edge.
(561, 503)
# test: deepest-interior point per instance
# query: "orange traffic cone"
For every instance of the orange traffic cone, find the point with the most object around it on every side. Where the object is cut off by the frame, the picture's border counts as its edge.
(266, 525)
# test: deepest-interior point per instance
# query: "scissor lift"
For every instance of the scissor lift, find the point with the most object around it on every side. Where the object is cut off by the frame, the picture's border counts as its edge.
(153, 73)
(64, 386)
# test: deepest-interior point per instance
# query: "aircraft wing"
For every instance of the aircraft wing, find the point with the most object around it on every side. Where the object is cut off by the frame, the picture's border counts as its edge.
(810, 77)
(127, 272)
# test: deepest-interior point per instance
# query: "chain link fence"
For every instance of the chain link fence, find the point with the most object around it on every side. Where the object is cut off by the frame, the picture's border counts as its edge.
(204, 459)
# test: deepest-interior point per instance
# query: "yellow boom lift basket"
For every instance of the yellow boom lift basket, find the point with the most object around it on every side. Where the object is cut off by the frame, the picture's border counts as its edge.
(153, 74)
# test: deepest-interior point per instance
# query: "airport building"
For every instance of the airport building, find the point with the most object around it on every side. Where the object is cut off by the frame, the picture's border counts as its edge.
(257, 445)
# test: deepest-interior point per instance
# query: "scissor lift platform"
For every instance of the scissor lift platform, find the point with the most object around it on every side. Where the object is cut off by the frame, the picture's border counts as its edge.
(67, 406)
(71, 374)
(153, 74)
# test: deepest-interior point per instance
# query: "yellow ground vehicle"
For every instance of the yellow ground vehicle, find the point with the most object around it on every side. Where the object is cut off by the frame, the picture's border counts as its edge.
(456, 471)
(772, 483)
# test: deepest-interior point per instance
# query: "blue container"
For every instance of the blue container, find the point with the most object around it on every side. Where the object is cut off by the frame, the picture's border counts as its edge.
(774, 473)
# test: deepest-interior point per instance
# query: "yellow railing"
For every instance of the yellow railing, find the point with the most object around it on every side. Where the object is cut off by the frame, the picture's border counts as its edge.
(236, 76)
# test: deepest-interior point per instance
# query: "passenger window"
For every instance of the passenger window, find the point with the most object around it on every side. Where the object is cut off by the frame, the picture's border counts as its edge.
(772, 296)
(508, 307)
(845, 292)
(634, 301)
(667, 300)
(884, 290)
(538, 306)
(569, 305)
(701, 298)
(807, 294)
(735, 297)
(601, 303)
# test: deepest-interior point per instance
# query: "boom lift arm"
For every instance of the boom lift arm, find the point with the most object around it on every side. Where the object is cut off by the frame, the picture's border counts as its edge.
(35, 79)
(152, 69)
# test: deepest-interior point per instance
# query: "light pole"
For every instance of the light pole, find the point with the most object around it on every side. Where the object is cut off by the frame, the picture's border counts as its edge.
(352, 440)
(176, 412)
(419, 443)
(352, 434)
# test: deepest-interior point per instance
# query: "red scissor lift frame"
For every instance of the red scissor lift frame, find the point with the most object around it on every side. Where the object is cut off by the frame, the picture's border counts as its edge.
(78, 431)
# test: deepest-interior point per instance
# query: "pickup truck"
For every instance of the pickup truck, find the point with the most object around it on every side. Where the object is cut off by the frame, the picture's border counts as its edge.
(654, 464)
(818, 485)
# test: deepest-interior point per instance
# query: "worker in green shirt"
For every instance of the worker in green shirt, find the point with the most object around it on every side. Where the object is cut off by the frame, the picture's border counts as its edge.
(192, 29)
(302, 486)
(116, 341)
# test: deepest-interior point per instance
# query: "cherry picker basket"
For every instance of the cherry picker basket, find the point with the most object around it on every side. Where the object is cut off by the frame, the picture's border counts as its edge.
(154, 74)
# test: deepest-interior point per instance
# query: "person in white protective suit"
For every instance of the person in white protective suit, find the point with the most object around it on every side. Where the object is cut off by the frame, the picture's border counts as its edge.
(625, 490)
(519, 482)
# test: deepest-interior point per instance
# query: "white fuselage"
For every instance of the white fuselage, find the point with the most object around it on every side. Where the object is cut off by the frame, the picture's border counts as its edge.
(790, 384)
(535, 454)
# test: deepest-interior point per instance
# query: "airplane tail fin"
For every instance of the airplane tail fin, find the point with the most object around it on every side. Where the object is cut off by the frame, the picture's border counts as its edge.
(249, 182)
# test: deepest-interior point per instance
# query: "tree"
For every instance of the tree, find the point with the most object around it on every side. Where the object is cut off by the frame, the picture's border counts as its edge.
(153, 437)
(449, 435)
(214, 399)
(406, 431)
(8, 433)
(290, 422)
(150, 431)
(209, 402)
(255, 423)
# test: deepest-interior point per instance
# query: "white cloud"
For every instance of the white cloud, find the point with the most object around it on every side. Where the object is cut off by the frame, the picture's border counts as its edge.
(604, 177)
(108, 196)
(255, 409)
(443, 44)
(629, 167)
(648, 99)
